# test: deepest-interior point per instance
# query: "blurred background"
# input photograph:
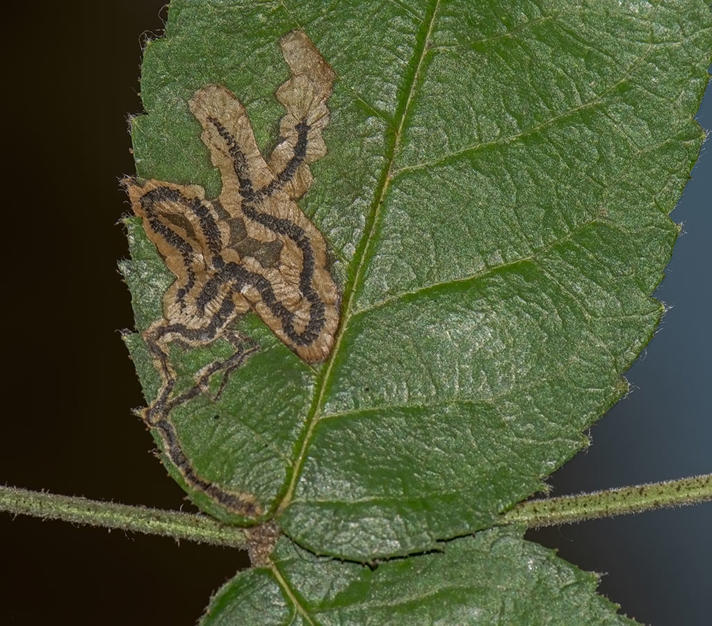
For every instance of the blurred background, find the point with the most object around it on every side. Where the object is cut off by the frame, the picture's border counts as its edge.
(71, 79)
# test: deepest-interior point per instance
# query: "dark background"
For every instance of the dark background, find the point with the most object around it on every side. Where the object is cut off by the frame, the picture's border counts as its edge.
(71, 78)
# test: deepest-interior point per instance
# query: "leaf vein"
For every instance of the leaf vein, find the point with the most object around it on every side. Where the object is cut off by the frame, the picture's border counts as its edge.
(361, 259)
(589, 104)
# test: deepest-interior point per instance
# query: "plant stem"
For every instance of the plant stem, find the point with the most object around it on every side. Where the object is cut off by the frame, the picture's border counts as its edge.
(636, 499)
(110, 515)
(192, 527)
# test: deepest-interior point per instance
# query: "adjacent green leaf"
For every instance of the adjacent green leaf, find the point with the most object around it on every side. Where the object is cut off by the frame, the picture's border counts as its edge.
(496, 198)
(494, 578)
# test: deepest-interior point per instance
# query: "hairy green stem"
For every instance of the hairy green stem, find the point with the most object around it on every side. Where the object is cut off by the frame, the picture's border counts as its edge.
(110, 515)
(636, 499)
(192, 527)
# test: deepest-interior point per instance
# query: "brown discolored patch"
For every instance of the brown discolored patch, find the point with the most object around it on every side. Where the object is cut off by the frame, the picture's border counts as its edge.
(260, 543)
(252, 248)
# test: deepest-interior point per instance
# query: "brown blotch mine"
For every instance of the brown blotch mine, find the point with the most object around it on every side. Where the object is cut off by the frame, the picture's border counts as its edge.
(252, 248)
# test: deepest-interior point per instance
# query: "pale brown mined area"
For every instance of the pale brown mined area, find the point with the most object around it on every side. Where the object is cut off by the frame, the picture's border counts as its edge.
(250, 249)
(251, 185)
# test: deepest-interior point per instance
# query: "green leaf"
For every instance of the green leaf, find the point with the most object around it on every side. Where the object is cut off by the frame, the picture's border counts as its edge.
(494, 578)
(495, 197)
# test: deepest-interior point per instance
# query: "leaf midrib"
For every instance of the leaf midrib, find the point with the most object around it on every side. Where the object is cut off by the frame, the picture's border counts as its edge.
(286, 587)
(363, 249)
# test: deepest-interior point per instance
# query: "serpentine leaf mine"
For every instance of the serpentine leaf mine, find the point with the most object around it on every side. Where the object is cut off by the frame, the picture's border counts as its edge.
(250, 249)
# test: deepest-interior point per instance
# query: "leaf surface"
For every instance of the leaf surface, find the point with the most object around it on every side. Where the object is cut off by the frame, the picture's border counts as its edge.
(495, 198)
(493, 578)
